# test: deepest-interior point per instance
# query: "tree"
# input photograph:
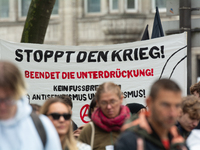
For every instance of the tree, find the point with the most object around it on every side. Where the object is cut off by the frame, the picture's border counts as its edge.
(37, 21)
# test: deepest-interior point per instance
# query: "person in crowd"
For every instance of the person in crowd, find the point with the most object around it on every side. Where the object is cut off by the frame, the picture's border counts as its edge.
(195, 89)
(190, 115)
(36, 108)
(59, 112)
(17, 128)
(136, 107)
(92, 108)
(155, 129)
(69, 102)
(102, 132)
(194, 138)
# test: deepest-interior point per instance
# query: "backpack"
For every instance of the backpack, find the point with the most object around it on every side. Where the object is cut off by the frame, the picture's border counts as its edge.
(39, 127)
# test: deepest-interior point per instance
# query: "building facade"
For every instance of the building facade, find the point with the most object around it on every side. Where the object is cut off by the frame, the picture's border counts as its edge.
(90, 22)
(84, 22)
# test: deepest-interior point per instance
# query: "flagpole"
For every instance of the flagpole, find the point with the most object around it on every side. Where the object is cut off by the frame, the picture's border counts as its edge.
(185, 25)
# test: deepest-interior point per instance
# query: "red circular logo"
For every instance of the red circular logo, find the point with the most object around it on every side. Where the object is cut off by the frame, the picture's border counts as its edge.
(84, 113)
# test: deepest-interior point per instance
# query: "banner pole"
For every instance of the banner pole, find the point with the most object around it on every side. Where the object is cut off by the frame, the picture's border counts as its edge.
(185, 25)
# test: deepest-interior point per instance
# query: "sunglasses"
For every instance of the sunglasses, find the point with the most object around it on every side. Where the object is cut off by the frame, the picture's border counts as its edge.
(56, 116)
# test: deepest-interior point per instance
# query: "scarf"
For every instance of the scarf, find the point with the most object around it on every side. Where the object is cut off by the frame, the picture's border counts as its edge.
(111, 124)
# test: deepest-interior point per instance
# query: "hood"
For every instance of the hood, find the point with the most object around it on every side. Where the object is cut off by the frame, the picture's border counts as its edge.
(23, 110)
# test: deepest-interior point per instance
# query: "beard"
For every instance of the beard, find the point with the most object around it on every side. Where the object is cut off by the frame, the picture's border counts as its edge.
(164, 122)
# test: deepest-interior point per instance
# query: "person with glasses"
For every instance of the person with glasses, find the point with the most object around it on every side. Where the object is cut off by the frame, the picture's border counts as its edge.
(17, 129)
(107, 119)
(59, 112)
(69, 101)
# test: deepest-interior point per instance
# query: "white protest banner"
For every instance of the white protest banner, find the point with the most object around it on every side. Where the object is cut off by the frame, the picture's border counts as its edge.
(52, 70)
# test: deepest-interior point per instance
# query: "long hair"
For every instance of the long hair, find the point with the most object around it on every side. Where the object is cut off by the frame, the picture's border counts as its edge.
(69, 140)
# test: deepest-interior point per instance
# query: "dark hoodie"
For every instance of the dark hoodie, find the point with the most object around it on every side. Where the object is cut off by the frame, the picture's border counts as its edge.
(182, 131)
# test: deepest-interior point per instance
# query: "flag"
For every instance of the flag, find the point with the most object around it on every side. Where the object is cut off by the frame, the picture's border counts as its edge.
(145, 34)
(157, 26)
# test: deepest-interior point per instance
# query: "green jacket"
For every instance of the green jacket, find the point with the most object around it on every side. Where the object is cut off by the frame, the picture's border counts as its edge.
(101, 137)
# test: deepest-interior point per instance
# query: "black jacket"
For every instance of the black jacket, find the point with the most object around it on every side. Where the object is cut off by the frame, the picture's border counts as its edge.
(128, 140)
(182, 131)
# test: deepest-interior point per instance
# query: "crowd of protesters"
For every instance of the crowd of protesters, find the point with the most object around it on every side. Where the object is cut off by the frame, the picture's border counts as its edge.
(168, 121)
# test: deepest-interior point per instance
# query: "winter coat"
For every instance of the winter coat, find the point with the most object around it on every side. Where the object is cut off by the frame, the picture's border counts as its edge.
(19, 132)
